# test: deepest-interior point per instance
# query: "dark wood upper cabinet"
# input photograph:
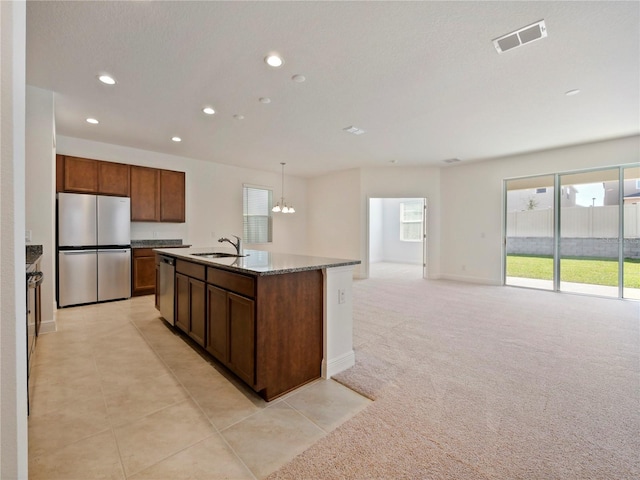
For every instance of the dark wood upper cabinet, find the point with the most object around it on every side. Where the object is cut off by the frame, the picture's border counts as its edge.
(172, 193)
(113, 179)
(145, 194)
(59, 173)
(85, 175)
(80, 175)
(157, 195)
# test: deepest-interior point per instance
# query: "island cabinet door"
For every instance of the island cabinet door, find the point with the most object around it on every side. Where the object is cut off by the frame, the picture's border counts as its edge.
(182, 302)
(197, 295)
(217, 331)
(242, 328)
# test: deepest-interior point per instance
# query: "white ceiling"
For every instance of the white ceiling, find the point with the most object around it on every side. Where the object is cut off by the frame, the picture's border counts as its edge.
(421, 78)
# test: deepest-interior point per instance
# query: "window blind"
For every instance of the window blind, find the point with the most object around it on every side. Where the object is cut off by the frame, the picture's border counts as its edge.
(257, 224)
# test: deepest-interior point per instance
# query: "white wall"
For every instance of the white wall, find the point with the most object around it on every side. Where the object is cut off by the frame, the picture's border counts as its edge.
(384, 234)
(407, 182)
(13, 369)
(213, 197)
(338, 207)
(376, 230)
(472, 201)
(335, 226)
(40, 189)
(395, 250)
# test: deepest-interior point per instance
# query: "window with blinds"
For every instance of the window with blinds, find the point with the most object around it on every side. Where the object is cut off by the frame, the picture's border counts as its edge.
(411, 221)
(257, 224)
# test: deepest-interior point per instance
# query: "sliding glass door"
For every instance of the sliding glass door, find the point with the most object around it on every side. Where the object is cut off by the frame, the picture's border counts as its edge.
(631, 235)
(589, 233)
(575, 232)
(529, 232)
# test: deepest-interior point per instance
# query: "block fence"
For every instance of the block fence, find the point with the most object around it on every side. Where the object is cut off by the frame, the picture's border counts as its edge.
(574, 247)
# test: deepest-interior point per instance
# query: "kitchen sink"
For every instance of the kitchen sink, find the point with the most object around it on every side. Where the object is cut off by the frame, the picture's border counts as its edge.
(217, 255)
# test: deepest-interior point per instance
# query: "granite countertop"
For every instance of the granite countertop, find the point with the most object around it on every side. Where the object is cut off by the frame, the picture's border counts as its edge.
(258, 262)
(158, 243)
(33, 254)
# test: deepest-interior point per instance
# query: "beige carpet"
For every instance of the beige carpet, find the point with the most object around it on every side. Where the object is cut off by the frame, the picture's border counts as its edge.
(483, 382)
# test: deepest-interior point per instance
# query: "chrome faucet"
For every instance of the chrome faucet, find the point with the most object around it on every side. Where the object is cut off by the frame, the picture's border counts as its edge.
(237, 245)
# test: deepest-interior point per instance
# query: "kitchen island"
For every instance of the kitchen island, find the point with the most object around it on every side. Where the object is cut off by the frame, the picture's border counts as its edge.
(277, 321)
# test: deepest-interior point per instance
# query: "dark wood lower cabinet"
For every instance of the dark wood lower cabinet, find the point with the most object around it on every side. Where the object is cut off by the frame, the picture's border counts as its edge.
(231, 331)
(265, 329)
(197, 314)
(190, 307)
(143, 271)
(182, 302)
(242, 332)
(217, 324)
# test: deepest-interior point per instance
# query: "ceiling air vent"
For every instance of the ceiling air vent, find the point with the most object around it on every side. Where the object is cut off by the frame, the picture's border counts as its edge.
(527, 34)
(451, 160)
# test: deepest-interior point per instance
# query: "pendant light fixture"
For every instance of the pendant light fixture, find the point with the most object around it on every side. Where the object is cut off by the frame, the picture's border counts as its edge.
(281, 206)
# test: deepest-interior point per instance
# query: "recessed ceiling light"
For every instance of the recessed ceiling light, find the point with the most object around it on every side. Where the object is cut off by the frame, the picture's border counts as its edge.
(298, 78)
(93, 121)
(238, 116)
(208, 110)
(354, 130)
(273, 60)
(572, 92)
(109, 80)
(394, 161)
(176, 139)
(264, 100)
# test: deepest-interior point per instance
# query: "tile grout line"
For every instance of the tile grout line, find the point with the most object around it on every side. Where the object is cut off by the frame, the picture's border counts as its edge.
(111, 427)
(143, 336)
(220, 431)
(216, 429)
(307, 418)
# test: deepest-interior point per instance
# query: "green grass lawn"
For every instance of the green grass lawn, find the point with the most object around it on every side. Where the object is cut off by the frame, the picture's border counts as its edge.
(596, 271)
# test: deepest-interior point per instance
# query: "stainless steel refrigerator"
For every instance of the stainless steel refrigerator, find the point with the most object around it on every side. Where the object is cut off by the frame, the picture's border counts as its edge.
(94, 248)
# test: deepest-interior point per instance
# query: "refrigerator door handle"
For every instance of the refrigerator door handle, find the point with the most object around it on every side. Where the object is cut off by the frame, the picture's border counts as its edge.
(123, 250)
(77, 252)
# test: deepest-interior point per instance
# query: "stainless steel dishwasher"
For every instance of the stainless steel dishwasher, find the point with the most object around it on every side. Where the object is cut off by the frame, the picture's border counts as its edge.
(167, 279)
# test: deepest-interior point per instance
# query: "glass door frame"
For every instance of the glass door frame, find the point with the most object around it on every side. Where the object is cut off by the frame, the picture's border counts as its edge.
(557, 222)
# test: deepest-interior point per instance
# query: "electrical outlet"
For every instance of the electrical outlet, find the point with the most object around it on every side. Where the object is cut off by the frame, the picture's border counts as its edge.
(341, 296)
(155, 234)
(27, 236)
(463, 268)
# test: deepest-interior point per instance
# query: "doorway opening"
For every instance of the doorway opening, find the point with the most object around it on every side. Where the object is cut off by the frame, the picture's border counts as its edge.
(397, 246)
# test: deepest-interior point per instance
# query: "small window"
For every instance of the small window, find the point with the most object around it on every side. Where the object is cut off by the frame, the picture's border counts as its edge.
(256, 213)
(411, 221)
(541, 190)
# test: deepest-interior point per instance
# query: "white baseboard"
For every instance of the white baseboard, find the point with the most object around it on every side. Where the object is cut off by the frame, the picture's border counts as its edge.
(339, 364)
(48, 326)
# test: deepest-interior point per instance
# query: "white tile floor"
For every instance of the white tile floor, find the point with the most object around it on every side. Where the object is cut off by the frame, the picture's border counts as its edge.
(116, 394)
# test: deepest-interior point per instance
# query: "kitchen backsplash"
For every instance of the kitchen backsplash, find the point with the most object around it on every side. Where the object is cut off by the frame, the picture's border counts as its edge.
(157, 231)
(156, 243)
